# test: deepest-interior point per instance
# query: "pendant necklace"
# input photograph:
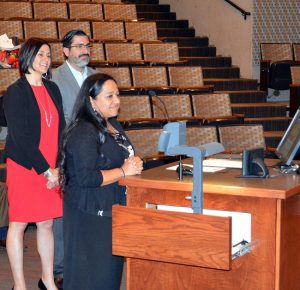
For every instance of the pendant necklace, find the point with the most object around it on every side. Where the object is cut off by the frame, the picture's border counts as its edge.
(48, 121)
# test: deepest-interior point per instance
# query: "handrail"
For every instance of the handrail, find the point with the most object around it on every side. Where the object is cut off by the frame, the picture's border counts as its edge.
(244, 12)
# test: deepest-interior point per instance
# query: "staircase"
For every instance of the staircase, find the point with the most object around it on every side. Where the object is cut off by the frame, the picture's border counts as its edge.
(217, 70)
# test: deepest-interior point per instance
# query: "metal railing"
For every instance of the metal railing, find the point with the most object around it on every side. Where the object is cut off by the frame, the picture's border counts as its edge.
(244, 12)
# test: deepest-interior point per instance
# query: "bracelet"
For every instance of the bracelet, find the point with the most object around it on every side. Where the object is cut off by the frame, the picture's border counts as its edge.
(123, 172)
(48, 173)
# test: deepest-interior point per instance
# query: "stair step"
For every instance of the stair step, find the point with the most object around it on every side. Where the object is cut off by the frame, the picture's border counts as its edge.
(260, 110)
(272, 138)
(217, 61)
(251, 96)
(234, 84)
(221, 72)
(270, 123)
(142, 1)
(156, 15)
(197, 51)
(173, 32)
(173, 24)
(188, 41)
(153, 8)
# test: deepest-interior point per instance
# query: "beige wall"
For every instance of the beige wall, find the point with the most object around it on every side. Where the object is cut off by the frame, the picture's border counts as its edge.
(224, 25)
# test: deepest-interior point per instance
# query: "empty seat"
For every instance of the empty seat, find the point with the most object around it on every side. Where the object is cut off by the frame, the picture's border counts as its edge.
(120, 74)
(145, 141)
(86, 11)
(172, 107)
(187, 78)
(16, 9)
(7, 77)
(215, 108)
(65, 26)
(13, 28)
(97, 54)
(296, 50)
(165, 52)
(108, 31)
(150, 77)
(57, 55)
(235, 139)
(295, 72)
(200, 135)
(141, 31)
(123, 52)
(276, 59)
(120, 11)
(41, 29)
(135, 109)
(49, 10)
(107, 1)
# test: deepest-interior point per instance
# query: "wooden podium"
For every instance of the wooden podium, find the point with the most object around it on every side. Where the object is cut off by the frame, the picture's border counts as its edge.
(177, 251)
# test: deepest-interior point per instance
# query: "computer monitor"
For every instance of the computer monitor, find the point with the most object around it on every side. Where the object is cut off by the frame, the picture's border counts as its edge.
(290, 142)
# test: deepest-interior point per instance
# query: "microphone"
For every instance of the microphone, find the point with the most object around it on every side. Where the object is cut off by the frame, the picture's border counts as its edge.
(153, 94)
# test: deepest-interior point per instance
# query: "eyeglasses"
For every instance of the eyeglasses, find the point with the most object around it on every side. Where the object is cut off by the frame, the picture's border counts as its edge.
(81, 46)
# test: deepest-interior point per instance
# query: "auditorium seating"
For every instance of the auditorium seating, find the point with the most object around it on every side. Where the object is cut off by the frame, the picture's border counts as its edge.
(66, 26)
(108, 31)
(52, 11)
(41, 29)
(7, 77)
(296, 50)
(86, 11)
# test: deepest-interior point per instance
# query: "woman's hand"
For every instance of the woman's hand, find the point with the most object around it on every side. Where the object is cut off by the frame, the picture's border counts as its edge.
(52, 175)
(132, 166)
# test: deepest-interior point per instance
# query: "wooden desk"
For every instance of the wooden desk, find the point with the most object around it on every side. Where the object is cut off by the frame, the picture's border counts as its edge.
(274, 262)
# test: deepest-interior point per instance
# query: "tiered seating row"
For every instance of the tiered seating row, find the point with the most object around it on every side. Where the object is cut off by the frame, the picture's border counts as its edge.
(97, 30)
(128, 53)
(273, 52)
(63, 10)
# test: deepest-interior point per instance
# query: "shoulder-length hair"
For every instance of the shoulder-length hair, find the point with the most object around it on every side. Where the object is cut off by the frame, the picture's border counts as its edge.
(28, 52)
(83, 111)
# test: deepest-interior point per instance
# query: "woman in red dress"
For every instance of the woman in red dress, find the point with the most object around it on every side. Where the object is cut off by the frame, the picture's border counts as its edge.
(35, 120)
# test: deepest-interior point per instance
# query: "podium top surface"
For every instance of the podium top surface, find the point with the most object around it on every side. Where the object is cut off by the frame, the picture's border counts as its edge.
(227, 182)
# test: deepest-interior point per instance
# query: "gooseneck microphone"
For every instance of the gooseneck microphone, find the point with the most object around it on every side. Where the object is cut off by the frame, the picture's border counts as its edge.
(153, 95)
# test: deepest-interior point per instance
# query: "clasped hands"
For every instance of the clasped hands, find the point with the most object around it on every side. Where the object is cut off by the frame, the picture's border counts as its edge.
(132, 165)
(53, 178)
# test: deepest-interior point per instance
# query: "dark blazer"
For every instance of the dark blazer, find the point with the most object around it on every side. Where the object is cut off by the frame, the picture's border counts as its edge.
(24, 123)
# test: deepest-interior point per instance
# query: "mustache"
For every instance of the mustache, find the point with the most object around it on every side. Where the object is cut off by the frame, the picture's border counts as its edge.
(84, 54)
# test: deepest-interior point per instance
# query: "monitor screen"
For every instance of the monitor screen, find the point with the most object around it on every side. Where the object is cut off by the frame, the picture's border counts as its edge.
(290, 142)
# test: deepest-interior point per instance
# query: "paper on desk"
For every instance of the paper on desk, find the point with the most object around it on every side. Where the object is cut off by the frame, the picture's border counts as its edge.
(226, 163)
(205, 168)
(241, 221)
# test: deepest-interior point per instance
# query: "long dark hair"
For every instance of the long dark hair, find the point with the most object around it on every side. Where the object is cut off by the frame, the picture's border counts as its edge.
(28, 52)
(83, 111)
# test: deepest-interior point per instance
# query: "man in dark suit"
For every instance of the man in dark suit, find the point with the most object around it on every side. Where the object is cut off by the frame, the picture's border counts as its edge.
(69, 78)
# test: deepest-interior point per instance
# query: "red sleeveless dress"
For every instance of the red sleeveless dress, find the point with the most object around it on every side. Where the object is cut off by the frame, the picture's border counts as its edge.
(28, 197)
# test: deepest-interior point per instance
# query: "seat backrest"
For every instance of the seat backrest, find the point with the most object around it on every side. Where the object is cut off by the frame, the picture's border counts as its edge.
(50, 10)
(144, 141)
(149, 77)
(242, 137)
(175, 105)
(97, 52)
(141, 31)
(200, 135)
(86, 11)
(296, 50)
(120, 11)
(120, 74)
(161, 52)
(57, 55)
(295, 72)
(65, 26)
(16, 9)
(107, 1)
(118, 52)
(132, 107)
(108, 30)
(276, 51)
(211, 105)
(186, 76)
(7, 77)
(11, 28)
(74, 1)
(40, 29)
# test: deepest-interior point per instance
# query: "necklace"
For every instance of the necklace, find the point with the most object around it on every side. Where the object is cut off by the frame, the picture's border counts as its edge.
(48, 120)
